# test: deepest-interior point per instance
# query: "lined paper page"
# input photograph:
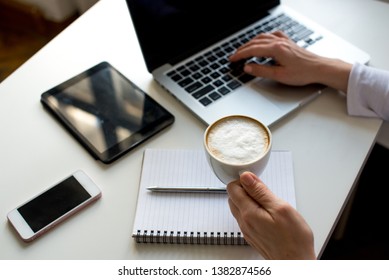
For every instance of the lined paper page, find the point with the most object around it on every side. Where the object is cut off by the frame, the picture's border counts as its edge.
(197, 212)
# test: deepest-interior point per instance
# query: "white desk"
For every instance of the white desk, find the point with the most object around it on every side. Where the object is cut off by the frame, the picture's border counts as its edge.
(329, 147)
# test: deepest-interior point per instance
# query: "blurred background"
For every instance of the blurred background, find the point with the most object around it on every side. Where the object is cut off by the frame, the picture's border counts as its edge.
(27, 25)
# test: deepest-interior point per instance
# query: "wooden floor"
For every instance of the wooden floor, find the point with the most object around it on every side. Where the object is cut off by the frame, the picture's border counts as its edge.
(15, 49)
(23, 31)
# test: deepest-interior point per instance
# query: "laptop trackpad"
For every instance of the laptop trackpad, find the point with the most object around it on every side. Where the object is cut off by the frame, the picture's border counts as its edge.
(284, 96)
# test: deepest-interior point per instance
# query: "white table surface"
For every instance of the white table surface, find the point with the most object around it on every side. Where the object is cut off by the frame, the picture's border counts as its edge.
(329, 147)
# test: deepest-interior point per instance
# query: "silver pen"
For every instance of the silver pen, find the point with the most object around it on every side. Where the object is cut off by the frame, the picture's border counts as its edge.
(187, 189)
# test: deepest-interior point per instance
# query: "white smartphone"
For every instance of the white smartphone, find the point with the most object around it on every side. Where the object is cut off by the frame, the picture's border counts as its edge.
(52, 206)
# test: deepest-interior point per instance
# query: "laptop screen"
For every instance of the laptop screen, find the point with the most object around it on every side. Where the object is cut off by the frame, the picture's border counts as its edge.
(171, 30)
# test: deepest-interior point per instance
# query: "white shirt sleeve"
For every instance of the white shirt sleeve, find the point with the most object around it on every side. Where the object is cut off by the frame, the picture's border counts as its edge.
(368, 92)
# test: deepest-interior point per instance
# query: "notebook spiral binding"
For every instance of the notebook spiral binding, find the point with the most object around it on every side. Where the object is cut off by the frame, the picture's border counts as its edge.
(205, 238)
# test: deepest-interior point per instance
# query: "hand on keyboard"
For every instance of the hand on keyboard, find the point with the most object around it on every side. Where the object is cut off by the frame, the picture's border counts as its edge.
(290, 63)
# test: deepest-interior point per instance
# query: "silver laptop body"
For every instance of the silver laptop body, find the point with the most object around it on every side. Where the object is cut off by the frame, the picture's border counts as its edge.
(189, 62)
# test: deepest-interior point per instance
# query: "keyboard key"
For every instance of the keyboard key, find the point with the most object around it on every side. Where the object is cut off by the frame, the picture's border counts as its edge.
(186, 82)
(224, 70)
(205, 101)
(171, 73)
(215, 96)
(217, 83)
(194, 67)
(176, 77)
(215, 75)
(197, 75)
(206, 80)
(234, 84)
(206, 71)
(212, 58)
(193, 87)
(185, 72)
(220, 54)
(215, 65)
(203, 62)
(203, 91)
(246, 78)
(226, 78)
(223, 90)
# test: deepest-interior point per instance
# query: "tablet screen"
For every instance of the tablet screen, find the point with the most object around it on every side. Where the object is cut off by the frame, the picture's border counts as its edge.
(106, 112)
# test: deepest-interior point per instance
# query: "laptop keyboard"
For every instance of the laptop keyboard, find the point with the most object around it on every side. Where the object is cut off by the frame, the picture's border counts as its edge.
(211, 75)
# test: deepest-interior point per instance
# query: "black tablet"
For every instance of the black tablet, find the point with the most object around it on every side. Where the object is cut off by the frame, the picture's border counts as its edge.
(106, 112)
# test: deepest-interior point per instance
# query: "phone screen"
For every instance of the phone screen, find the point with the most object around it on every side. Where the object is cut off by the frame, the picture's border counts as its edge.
(53, 203)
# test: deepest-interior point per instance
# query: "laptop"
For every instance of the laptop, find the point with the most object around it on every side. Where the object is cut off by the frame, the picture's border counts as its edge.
(186, 45)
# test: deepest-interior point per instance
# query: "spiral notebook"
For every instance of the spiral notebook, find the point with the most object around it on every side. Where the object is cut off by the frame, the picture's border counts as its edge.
(196, 218)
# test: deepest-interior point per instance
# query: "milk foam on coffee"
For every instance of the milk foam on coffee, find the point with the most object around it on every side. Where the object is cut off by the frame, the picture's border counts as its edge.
(238, 140)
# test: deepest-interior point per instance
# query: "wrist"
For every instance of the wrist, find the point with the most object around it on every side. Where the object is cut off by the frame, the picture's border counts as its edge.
(333, 73)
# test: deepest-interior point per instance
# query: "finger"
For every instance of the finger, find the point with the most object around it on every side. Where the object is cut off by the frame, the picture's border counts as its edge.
(256, 42)
(249, 234)
(274, 35)
(258, 190)
(265, 38)
(267, 41)
(259, 39)
(253, 49)
(262, 70)
(234, 210)
(238, 215)
(239, 197)
(280, 34)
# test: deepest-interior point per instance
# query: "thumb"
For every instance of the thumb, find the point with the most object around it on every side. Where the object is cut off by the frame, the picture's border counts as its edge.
(257, 190)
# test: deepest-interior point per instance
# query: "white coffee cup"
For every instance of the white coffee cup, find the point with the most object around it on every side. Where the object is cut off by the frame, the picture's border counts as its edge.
(235, 144)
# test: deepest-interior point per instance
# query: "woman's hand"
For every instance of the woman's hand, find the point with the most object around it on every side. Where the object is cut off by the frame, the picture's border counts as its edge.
(269, 224)
(294, 65)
